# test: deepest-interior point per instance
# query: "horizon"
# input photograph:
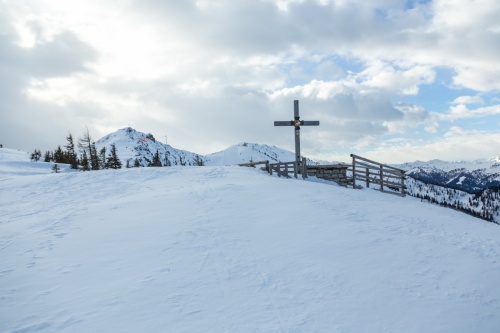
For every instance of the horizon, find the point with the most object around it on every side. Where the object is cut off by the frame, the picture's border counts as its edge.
(347, 160)
(397, 81)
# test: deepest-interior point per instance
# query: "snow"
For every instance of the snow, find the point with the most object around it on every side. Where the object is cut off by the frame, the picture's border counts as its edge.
(460, 181)
(492, 165)
(14, 163)
(245, 152)
(232, 249)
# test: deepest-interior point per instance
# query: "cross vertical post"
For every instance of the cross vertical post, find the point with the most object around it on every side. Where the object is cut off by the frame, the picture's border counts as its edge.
(297, 131)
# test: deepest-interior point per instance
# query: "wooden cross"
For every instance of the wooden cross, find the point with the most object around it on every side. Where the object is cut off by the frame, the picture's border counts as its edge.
(297, 123)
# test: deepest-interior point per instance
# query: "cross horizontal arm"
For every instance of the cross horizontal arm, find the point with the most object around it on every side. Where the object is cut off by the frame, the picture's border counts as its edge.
(309, 123)
(284, 123)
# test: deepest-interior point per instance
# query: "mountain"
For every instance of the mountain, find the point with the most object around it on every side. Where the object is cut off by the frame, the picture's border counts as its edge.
(471, 187)
(471, 177)
(251, 152)
(133, 145)
(229, 249)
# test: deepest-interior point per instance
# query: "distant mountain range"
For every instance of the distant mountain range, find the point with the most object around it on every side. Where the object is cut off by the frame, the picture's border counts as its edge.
(471, 187)
(471, 177)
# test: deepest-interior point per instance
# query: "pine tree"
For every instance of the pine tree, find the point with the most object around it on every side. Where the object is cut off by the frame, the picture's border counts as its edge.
(198, 160)
(167, 161)
(36, 155)
(59, 155)
(48, 156)
(137, 163)
(85, 142)
(94, 158)
(102, 158)
(156, 160)
(85, 161)
(113, 161)
(71, 154)
(56, 168)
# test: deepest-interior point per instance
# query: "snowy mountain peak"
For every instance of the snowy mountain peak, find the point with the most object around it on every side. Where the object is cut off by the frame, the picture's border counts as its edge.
(244, 152)
(139, 149)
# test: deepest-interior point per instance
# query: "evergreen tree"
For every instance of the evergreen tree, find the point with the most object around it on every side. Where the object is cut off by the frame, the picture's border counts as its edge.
(167, 161)
(56, 168)
(48, 156)
(85, 142)
(102, 158)
(198, 160)
(137, 163)
(113, 161)
(71, 154)
(36, 155)
(94, 158)
(59, 155)
(156, 162)
(85, 161)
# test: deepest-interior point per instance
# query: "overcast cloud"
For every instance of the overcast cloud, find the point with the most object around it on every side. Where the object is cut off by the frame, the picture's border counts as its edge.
(392, 79)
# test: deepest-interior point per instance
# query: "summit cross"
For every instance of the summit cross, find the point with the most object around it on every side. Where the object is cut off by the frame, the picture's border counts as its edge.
(297, 123)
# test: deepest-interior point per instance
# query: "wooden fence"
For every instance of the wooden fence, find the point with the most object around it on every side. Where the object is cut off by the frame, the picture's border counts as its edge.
(371, 172)
(285, 169)
(254, 164)
(282, 169)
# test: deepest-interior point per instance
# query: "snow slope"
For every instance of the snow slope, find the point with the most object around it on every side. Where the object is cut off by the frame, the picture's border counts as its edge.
(230, 249)
(15, 162)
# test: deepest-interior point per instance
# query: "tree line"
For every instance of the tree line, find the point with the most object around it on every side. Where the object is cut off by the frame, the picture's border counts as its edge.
(89, 159)
(484, 204)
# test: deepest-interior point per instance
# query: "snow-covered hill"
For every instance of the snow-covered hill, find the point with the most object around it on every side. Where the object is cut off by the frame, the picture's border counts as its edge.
(250, 152)
(135, 146)
(16, 162)
(230, 249)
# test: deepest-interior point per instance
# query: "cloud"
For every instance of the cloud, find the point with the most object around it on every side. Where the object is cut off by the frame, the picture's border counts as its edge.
(413, 116)
(468, 100)
(456, 144)
(24, 121)
(461, 111)
(212, 73)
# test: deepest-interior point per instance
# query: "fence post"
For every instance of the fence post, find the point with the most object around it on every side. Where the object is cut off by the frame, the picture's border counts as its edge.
(353, 171)
(295, 167)
(381, 178)
(402, 184)
(367, 177)
(304, 168)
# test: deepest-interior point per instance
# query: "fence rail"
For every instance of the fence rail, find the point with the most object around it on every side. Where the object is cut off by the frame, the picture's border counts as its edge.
(285, 169)
(371, 172)
(282, 169)
(254, 164)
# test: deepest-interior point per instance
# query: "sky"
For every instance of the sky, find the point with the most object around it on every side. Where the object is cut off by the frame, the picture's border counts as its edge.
(396, 81)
